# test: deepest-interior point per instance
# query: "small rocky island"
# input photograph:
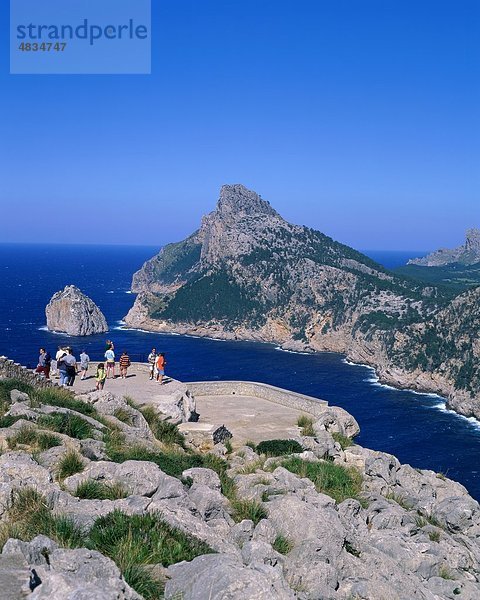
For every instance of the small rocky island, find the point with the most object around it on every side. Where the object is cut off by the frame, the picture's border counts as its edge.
(70, 311)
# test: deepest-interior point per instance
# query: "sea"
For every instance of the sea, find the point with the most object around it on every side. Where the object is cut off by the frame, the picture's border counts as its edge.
(417, 428)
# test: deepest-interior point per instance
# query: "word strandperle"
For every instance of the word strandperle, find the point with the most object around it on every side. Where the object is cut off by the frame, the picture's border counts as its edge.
(84, 31)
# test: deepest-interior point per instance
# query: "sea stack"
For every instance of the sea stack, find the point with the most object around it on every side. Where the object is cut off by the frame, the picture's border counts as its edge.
(70, 311)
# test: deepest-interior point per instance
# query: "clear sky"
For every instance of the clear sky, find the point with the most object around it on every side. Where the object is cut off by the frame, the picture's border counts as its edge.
(356, 117)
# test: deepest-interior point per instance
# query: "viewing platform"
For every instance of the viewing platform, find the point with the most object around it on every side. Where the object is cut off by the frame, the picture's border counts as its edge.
(249, 410)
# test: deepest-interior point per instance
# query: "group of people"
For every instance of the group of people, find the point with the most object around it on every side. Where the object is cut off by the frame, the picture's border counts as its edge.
(65, 363)
(156, 363)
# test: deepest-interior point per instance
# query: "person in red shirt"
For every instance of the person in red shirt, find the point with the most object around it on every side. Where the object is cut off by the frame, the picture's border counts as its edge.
(160, 365)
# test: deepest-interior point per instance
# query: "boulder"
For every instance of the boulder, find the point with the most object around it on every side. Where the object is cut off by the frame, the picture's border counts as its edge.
(337, 420)
(220, 576)
(70, 311)
(139, 477)
(175, 402)
(79, 574)
(204, 476)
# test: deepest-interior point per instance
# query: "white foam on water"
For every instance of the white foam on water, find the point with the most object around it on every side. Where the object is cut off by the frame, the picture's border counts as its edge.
(45, 328)
(292, 351)
(354, 364)
(442, 407)
(201, 337)
(129, 292)
(110, 292)
(123, 328)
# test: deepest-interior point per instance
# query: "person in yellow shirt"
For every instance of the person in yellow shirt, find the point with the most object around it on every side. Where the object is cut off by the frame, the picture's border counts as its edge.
(100, 376)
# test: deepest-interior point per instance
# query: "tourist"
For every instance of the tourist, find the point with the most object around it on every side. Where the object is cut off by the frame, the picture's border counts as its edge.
(124, 363)
(109, 345)
(84, 362)
(44, 362)
(160, 364)
(71, 367)
(152, 358)
(100, 376)
(62, 365)
(110, 358)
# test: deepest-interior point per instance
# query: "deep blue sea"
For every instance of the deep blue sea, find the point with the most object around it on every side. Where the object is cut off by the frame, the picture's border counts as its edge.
(414, 427)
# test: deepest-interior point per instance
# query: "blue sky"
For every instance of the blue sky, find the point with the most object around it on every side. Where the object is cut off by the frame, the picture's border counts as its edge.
(356, 117)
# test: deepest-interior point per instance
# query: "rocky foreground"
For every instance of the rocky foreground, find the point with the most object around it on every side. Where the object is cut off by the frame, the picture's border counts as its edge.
(102, 499)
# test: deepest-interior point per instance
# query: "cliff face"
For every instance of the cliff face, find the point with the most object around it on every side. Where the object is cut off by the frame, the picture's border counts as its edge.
(70, 311)
(249, 274)
(466, 254)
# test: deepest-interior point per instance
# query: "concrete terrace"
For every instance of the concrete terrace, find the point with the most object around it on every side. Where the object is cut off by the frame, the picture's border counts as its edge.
(251, 411)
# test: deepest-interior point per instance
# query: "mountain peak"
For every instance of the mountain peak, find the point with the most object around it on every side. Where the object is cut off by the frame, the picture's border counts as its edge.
(472, 242)
(240, 200)
(466, 254)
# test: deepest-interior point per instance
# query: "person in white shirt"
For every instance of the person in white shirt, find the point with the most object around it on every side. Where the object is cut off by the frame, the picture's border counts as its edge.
(110, 362)
(152, 357)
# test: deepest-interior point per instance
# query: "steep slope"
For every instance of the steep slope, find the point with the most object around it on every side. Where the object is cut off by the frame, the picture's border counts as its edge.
(249, 274)
(466, 254)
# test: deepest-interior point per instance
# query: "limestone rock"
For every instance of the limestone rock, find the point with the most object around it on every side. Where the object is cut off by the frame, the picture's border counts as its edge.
(139, 477)
(298, 288)
(72, 574)
(466, 254)
(70, 311)
(337, 420)
(218, 576)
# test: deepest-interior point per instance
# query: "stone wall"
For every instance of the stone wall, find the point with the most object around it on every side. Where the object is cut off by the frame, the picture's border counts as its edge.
(308, 404)
(9, 369)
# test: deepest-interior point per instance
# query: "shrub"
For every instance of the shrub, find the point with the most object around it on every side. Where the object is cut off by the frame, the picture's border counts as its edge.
(434, 536)
(47, 440)
(123, 415)
(29, 515)
(139, 540)
(172, 463)
(30, 436)
(251, 467)
(6, 386)
(97, 490)
(228, 446)
(444, 573)
(278, 447)
(8, 420)
(68, 424)
(282, 544)
(338, 482)
(306, 425)
(131, 402)
(400, 500)
(70, 464)
(343, 440)
(64, 399)
(26, 435)
(163, 430)
(251, 445)
(248, 509)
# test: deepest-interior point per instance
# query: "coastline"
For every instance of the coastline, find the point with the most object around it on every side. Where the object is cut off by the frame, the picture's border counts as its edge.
(386, 374)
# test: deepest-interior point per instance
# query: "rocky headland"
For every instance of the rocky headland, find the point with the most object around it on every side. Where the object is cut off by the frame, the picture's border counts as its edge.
(466, 254)
(249, 274)
(101, 498)
(70, 311)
